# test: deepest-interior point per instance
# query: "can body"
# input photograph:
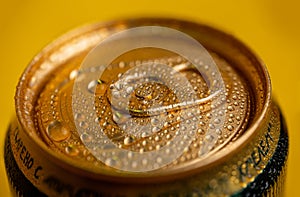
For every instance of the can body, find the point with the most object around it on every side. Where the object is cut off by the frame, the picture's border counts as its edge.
(46, 156)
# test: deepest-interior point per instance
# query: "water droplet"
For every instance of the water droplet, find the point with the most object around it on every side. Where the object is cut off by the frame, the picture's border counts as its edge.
(73, 74)
(159, 160)
(200, 131)
(130, 155)
(72, 150)
(209, 138)
(144, 143)
(221, 113)
(110, 162)
(79, 117)
(121, 118)
(157, 147)
(154, 121)
(83, 125)
(144, 162)
(86, 138)
(230, 108)
(134, 164)
(116, 94)
(144, 134)
(155, 129)
(230, 127)
(201, 152)
(171, 115)
(129, 90)
(32, 81)
(157, 138)
(168, 136)
(167, 124)
(57, 132)
(118, 85)
(217, 121)
(128, 140)
(92, 85)
(209, 115)
(121, 64)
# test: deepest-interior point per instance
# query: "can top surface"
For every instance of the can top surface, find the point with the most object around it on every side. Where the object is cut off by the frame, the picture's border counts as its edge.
(164, 129)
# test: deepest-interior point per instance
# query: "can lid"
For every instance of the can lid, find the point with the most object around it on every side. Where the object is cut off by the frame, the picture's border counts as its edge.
(141, 99)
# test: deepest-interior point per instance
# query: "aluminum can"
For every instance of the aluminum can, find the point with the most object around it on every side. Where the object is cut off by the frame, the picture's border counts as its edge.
(146, 107)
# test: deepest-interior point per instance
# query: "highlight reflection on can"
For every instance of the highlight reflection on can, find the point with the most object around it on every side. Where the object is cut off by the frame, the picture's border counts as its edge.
(161, 107)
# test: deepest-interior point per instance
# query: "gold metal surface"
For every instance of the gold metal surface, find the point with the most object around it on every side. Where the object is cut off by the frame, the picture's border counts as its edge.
(45, 124)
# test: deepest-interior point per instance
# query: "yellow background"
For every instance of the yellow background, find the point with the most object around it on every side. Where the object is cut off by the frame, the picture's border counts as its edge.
(269, 27)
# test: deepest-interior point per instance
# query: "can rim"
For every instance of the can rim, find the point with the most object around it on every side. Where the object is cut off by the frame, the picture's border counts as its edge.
(179, 172)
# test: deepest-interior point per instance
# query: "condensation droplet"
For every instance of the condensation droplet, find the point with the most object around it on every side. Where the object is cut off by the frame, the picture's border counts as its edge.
(116, 94)
(129, 90)
(144, 143)
(157, 147)
(120, 118)
(128, 140)
(73, 74)
(121, 64)
(200, 131)
(85, 138)
(144, 162)
(209, 115)
(209, 138)
(57, 132)
(92, 85)
(218, 131)
(144, 134)
(217, 121)
(83, 125)
(130, 155)
(221, 113)
(134, 164)
(157, 138)
(159, 160)
(110, 162)
(211, 126)
(155, 129)
(168, 136)
(230, 127)
(72, 150)
(154, 121)
(201, 152)
(79, 117)
(230, 108)
(32, 81)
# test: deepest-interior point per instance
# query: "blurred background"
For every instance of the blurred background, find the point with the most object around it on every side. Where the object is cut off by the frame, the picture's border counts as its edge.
(270, 27)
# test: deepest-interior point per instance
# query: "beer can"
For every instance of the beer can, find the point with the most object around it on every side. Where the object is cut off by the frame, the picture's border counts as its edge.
(146, 107)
